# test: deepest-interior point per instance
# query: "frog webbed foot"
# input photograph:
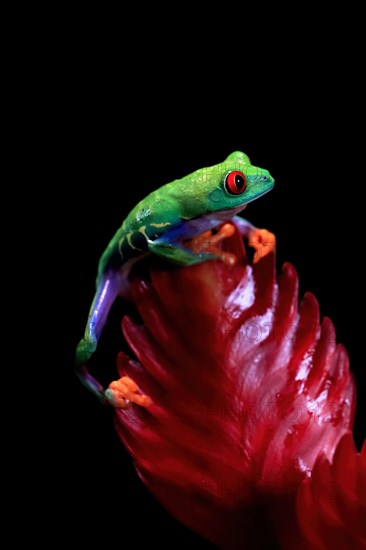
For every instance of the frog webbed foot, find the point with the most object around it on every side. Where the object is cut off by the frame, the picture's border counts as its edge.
(207, 243)
(121, 393)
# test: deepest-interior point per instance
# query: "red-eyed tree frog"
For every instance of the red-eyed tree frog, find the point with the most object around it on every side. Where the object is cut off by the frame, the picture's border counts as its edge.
(160, 224)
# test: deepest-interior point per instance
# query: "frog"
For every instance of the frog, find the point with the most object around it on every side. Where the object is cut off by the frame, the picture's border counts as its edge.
(161, 224)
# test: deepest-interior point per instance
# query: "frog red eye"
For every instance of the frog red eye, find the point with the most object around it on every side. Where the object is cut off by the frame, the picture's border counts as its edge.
(235, 182)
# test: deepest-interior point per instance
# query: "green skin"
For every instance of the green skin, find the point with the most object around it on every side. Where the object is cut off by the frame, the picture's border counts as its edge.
(159, 224)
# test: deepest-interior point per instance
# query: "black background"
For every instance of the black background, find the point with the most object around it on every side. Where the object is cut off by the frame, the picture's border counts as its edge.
(107, 151)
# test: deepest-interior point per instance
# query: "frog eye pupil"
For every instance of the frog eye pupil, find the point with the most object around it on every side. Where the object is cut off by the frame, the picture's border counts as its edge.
(239, 182)
(264, 178)
(235, 182)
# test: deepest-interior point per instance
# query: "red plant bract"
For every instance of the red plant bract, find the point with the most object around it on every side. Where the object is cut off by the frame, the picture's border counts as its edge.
(247, 390)
(331, 505)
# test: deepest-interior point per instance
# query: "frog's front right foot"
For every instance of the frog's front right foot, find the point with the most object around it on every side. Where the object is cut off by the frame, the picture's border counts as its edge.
(263, 241)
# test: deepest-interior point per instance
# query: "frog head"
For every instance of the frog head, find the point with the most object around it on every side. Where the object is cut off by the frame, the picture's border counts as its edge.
(235, 182)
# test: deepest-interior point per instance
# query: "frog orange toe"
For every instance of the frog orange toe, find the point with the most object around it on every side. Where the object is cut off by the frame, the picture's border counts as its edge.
(207, 243)
(263, 241)
(121, 393)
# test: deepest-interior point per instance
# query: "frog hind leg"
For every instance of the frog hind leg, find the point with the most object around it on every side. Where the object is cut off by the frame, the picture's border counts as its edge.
(107, 291)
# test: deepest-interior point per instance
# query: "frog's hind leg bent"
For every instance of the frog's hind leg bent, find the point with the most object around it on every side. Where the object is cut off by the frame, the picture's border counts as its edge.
(107, 290)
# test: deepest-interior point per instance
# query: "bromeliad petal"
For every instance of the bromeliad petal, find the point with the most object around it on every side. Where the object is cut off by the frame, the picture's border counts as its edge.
(331, 504)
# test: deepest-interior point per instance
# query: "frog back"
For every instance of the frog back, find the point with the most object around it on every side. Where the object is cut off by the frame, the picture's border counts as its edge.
(149, 219)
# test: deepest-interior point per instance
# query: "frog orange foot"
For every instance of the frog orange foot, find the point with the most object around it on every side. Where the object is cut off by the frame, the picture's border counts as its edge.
(207, 243)
(263, 241)
(121, 393)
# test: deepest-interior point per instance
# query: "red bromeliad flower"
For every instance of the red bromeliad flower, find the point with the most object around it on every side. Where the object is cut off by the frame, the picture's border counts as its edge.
(241, 391)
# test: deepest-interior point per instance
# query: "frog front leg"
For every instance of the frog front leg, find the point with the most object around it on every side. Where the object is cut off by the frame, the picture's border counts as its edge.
(196, 249)
(204, 246)
(262, 240)
(245, 228)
